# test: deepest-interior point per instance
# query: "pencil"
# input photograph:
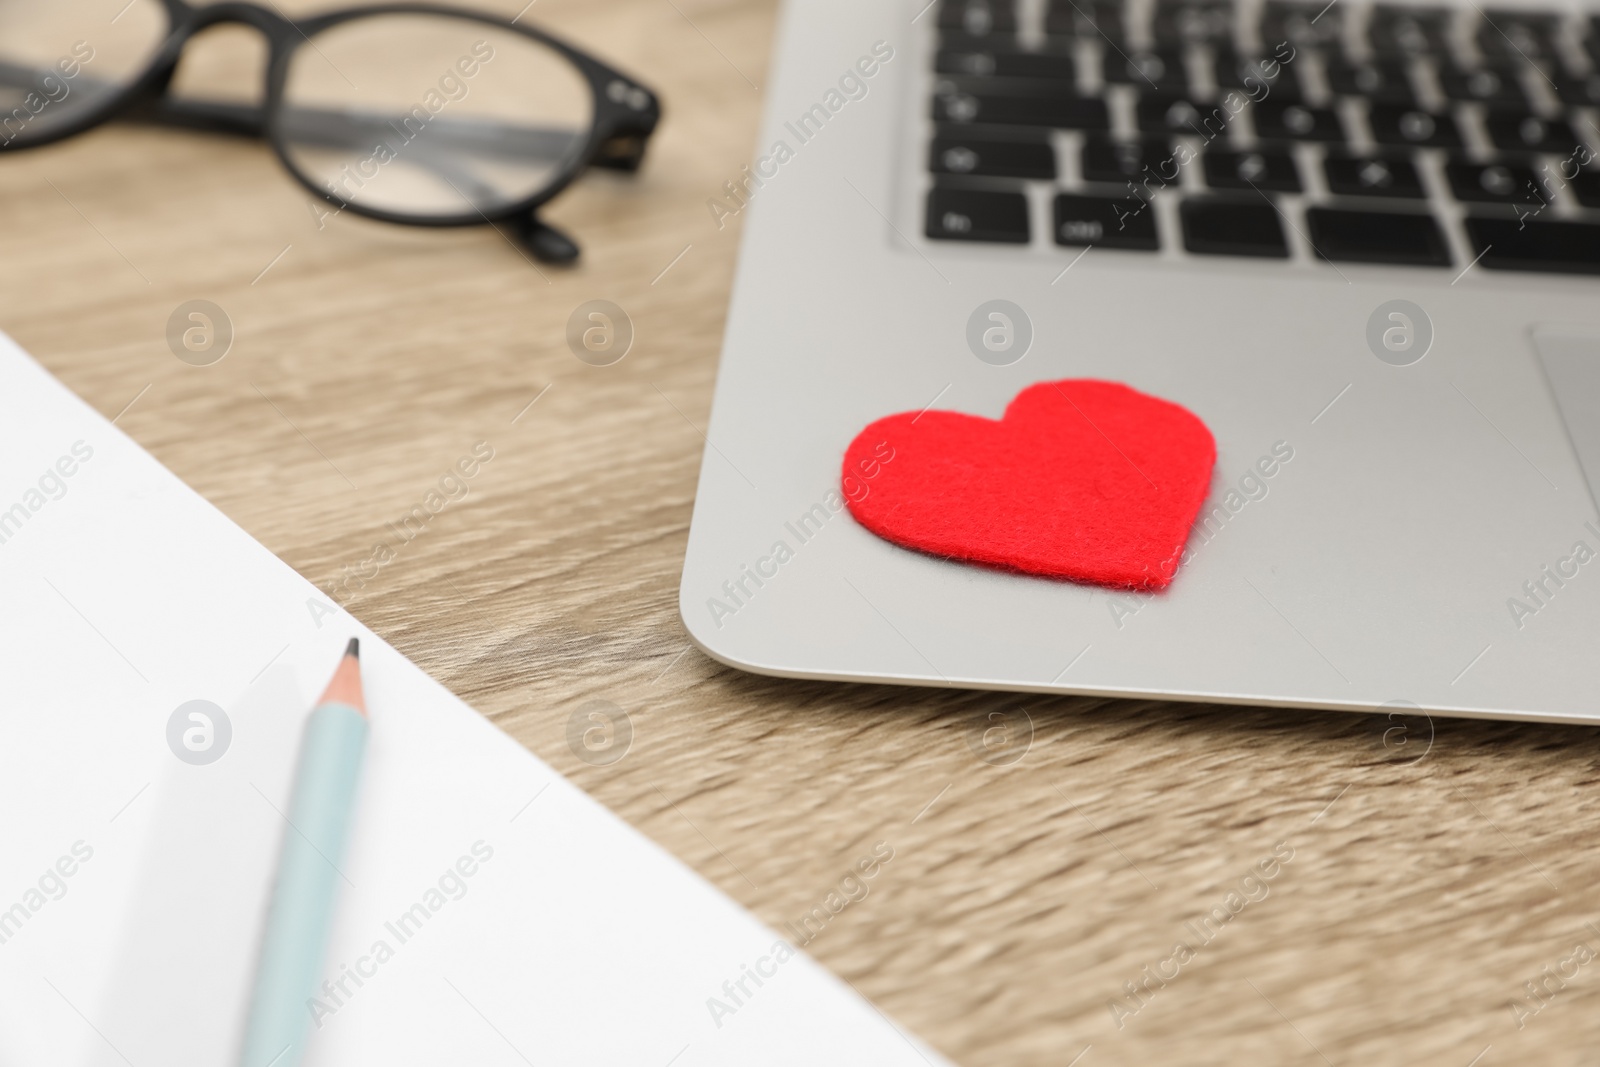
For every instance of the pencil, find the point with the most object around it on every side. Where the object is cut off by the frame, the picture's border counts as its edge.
(300, 915)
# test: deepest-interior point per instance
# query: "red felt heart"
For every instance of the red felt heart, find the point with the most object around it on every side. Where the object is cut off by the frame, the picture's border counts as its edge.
(1081, 479)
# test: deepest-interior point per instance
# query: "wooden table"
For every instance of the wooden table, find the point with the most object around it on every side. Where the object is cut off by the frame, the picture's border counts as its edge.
(1426, 884)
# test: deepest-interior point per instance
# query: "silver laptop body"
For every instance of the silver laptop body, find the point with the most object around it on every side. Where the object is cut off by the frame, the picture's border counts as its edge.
(1374, 271)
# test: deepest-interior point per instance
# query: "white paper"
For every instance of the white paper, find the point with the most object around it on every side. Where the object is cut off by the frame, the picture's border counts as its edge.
(575, 940)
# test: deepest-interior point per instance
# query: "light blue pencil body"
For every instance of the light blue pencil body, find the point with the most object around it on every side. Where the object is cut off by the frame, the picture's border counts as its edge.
(307, 888)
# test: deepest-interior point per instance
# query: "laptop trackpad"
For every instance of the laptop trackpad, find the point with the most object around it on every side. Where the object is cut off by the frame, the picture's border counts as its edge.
(1573, 366)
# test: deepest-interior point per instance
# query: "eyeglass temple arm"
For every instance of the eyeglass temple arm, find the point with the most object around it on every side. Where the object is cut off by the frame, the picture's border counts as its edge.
(153, 105)
(331, 128)
(211, 116)
(625, 143)
(623, 148)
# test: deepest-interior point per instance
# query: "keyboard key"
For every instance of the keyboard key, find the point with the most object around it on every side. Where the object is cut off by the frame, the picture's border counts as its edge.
(992, 158)
(1177, 116)
(1514, 131)
(1585, 186)
(1180, 22)
(974, 215)
(1118, 162)
(1372, 176)
(1510, 244)
(1062, 111)
(978, 18)
(1008, 64)
(1260, 76)
(1279, 120)
(1271, 170)
(1148, 71)
(1376, 237)
(1493, 183)
(1095, 19)
(1396, 125)
(1107, 223)
(1384, 81)
(1313, 25)
(1510, 34)
(971, 57)
(956, 41)
(1578, 91)
(1498, 86)
(1396, 30)
(1232, 228)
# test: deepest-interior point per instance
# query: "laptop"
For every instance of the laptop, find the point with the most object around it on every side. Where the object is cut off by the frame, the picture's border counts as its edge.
(1361, 243)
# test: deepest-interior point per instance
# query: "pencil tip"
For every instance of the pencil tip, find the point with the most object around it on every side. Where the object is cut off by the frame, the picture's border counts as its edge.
(345, 687)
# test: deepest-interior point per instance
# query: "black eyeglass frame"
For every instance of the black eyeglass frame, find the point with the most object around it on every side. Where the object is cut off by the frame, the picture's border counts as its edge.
(624, 112)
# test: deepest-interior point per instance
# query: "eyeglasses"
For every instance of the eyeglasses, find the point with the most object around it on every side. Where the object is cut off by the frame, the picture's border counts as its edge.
(410, 113)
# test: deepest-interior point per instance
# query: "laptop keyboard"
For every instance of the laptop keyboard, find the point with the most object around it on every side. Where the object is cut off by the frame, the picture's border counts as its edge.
(1385, 135)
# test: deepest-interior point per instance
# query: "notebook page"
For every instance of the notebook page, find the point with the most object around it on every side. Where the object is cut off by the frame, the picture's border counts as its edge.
(490, 913)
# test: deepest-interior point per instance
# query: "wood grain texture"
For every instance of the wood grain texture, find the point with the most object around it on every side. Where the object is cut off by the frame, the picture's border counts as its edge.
(1421, 895)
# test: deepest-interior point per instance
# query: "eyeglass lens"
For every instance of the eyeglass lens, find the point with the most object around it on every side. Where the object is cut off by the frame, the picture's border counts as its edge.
(60, 59)
(431, 115)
